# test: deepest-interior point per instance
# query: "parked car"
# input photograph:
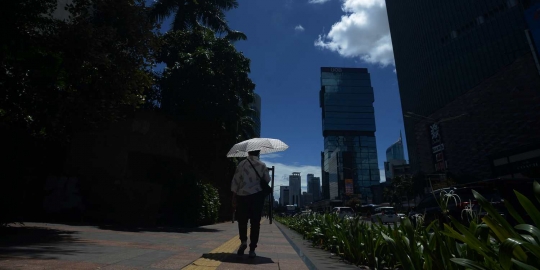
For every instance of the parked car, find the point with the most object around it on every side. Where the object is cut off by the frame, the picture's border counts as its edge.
(343, 211)
(385, 214)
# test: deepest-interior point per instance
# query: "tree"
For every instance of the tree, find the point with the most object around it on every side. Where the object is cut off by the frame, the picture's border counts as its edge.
(245, 124)
(206, 87)
(206, 84)
(195, 14)
(401, 187)
(63, 76)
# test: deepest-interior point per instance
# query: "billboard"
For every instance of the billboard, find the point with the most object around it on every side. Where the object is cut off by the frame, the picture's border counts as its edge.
(349, 188)
(437, 147)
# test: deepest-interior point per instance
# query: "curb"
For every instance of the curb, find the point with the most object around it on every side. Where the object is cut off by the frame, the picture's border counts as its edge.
(313, 258)
(302, 256)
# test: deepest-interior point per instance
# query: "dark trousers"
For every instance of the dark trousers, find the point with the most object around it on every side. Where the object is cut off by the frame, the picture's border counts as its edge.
(250, 207)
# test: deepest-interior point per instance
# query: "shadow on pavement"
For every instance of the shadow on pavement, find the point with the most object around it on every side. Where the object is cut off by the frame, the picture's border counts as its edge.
(23, 235)
(35, 242)
(155, 229)
(233, 258)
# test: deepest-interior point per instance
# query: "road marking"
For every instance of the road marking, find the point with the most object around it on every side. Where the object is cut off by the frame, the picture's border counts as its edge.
(218, 254)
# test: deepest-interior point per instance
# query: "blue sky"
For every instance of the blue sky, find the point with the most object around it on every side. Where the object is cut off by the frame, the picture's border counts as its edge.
(288, 42)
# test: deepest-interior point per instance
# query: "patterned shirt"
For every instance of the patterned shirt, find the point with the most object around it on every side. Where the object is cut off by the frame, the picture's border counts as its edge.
(245, 181)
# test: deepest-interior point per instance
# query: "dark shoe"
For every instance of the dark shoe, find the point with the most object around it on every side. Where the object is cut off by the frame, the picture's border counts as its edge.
(241, 249)
(252, 254)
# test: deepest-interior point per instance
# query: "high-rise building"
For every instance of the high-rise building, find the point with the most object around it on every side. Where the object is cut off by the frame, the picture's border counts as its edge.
(308, 182)
(256, 106)
(325, 188)
(284, 195)
(315, 186)
(295, 189)
(307, 198)
(444, 51)
(394, 157)
(350, 152)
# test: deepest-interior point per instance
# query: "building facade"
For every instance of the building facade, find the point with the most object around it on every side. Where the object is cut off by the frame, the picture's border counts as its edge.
(307, 199)
(348, 127)
(443, 49)
(295, 189)
(284, 195)
(308, 182)
(316, 188)
(395, 156)
(500, 135)
(325, 187)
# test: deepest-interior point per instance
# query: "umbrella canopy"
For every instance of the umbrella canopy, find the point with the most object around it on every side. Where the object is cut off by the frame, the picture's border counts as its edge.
(265, 145)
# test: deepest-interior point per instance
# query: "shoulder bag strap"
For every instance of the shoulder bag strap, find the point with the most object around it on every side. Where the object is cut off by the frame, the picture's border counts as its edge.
(255, 170)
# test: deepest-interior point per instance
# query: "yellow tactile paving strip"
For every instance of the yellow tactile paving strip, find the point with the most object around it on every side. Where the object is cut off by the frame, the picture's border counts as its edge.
(220, 252)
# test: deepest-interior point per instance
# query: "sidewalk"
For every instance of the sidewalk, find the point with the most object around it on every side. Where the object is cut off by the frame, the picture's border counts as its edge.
(57, 246)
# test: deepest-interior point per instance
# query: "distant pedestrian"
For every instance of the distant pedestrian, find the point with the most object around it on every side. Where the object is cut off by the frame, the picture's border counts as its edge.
(248, 199)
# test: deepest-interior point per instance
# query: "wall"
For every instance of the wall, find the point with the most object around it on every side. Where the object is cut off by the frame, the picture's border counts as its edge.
(503, 113)
(123, 170)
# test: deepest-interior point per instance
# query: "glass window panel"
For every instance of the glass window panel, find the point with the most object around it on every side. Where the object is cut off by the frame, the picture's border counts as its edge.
(342, 82)
(345, 75)
(345, 121)
(350, 127)
(348, 89)
(357, 109)
(352, 102)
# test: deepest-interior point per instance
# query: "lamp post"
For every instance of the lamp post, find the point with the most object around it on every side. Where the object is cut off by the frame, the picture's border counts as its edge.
(271, 197)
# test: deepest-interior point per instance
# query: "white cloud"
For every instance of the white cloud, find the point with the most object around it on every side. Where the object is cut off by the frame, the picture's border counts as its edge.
(273, 155)
(288, 4)
(317, 1)
(362, 32)
(299, 28)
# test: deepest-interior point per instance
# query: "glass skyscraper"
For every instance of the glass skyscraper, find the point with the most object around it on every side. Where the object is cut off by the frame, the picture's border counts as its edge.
(395, 151)
(443, 49)
(348, 127)
(394, 156)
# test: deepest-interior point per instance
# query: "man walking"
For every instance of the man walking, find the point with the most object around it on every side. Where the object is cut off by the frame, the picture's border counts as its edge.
(248, 199)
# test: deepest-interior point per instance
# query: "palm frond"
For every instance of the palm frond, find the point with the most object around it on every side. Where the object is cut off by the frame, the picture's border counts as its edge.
(233, 35)
(162, 9)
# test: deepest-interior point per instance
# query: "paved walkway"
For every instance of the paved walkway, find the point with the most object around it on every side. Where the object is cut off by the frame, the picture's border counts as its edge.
(56, 246)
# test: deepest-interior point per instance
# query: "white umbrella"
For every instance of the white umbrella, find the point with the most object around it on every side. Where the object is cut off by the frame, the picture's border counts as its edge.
(265, 145)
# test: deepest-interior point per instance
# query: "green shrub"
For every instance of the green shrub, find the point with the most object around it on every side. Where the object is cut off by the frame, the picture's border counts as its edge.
(190, 202)
(209, 204)
(486, 243)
